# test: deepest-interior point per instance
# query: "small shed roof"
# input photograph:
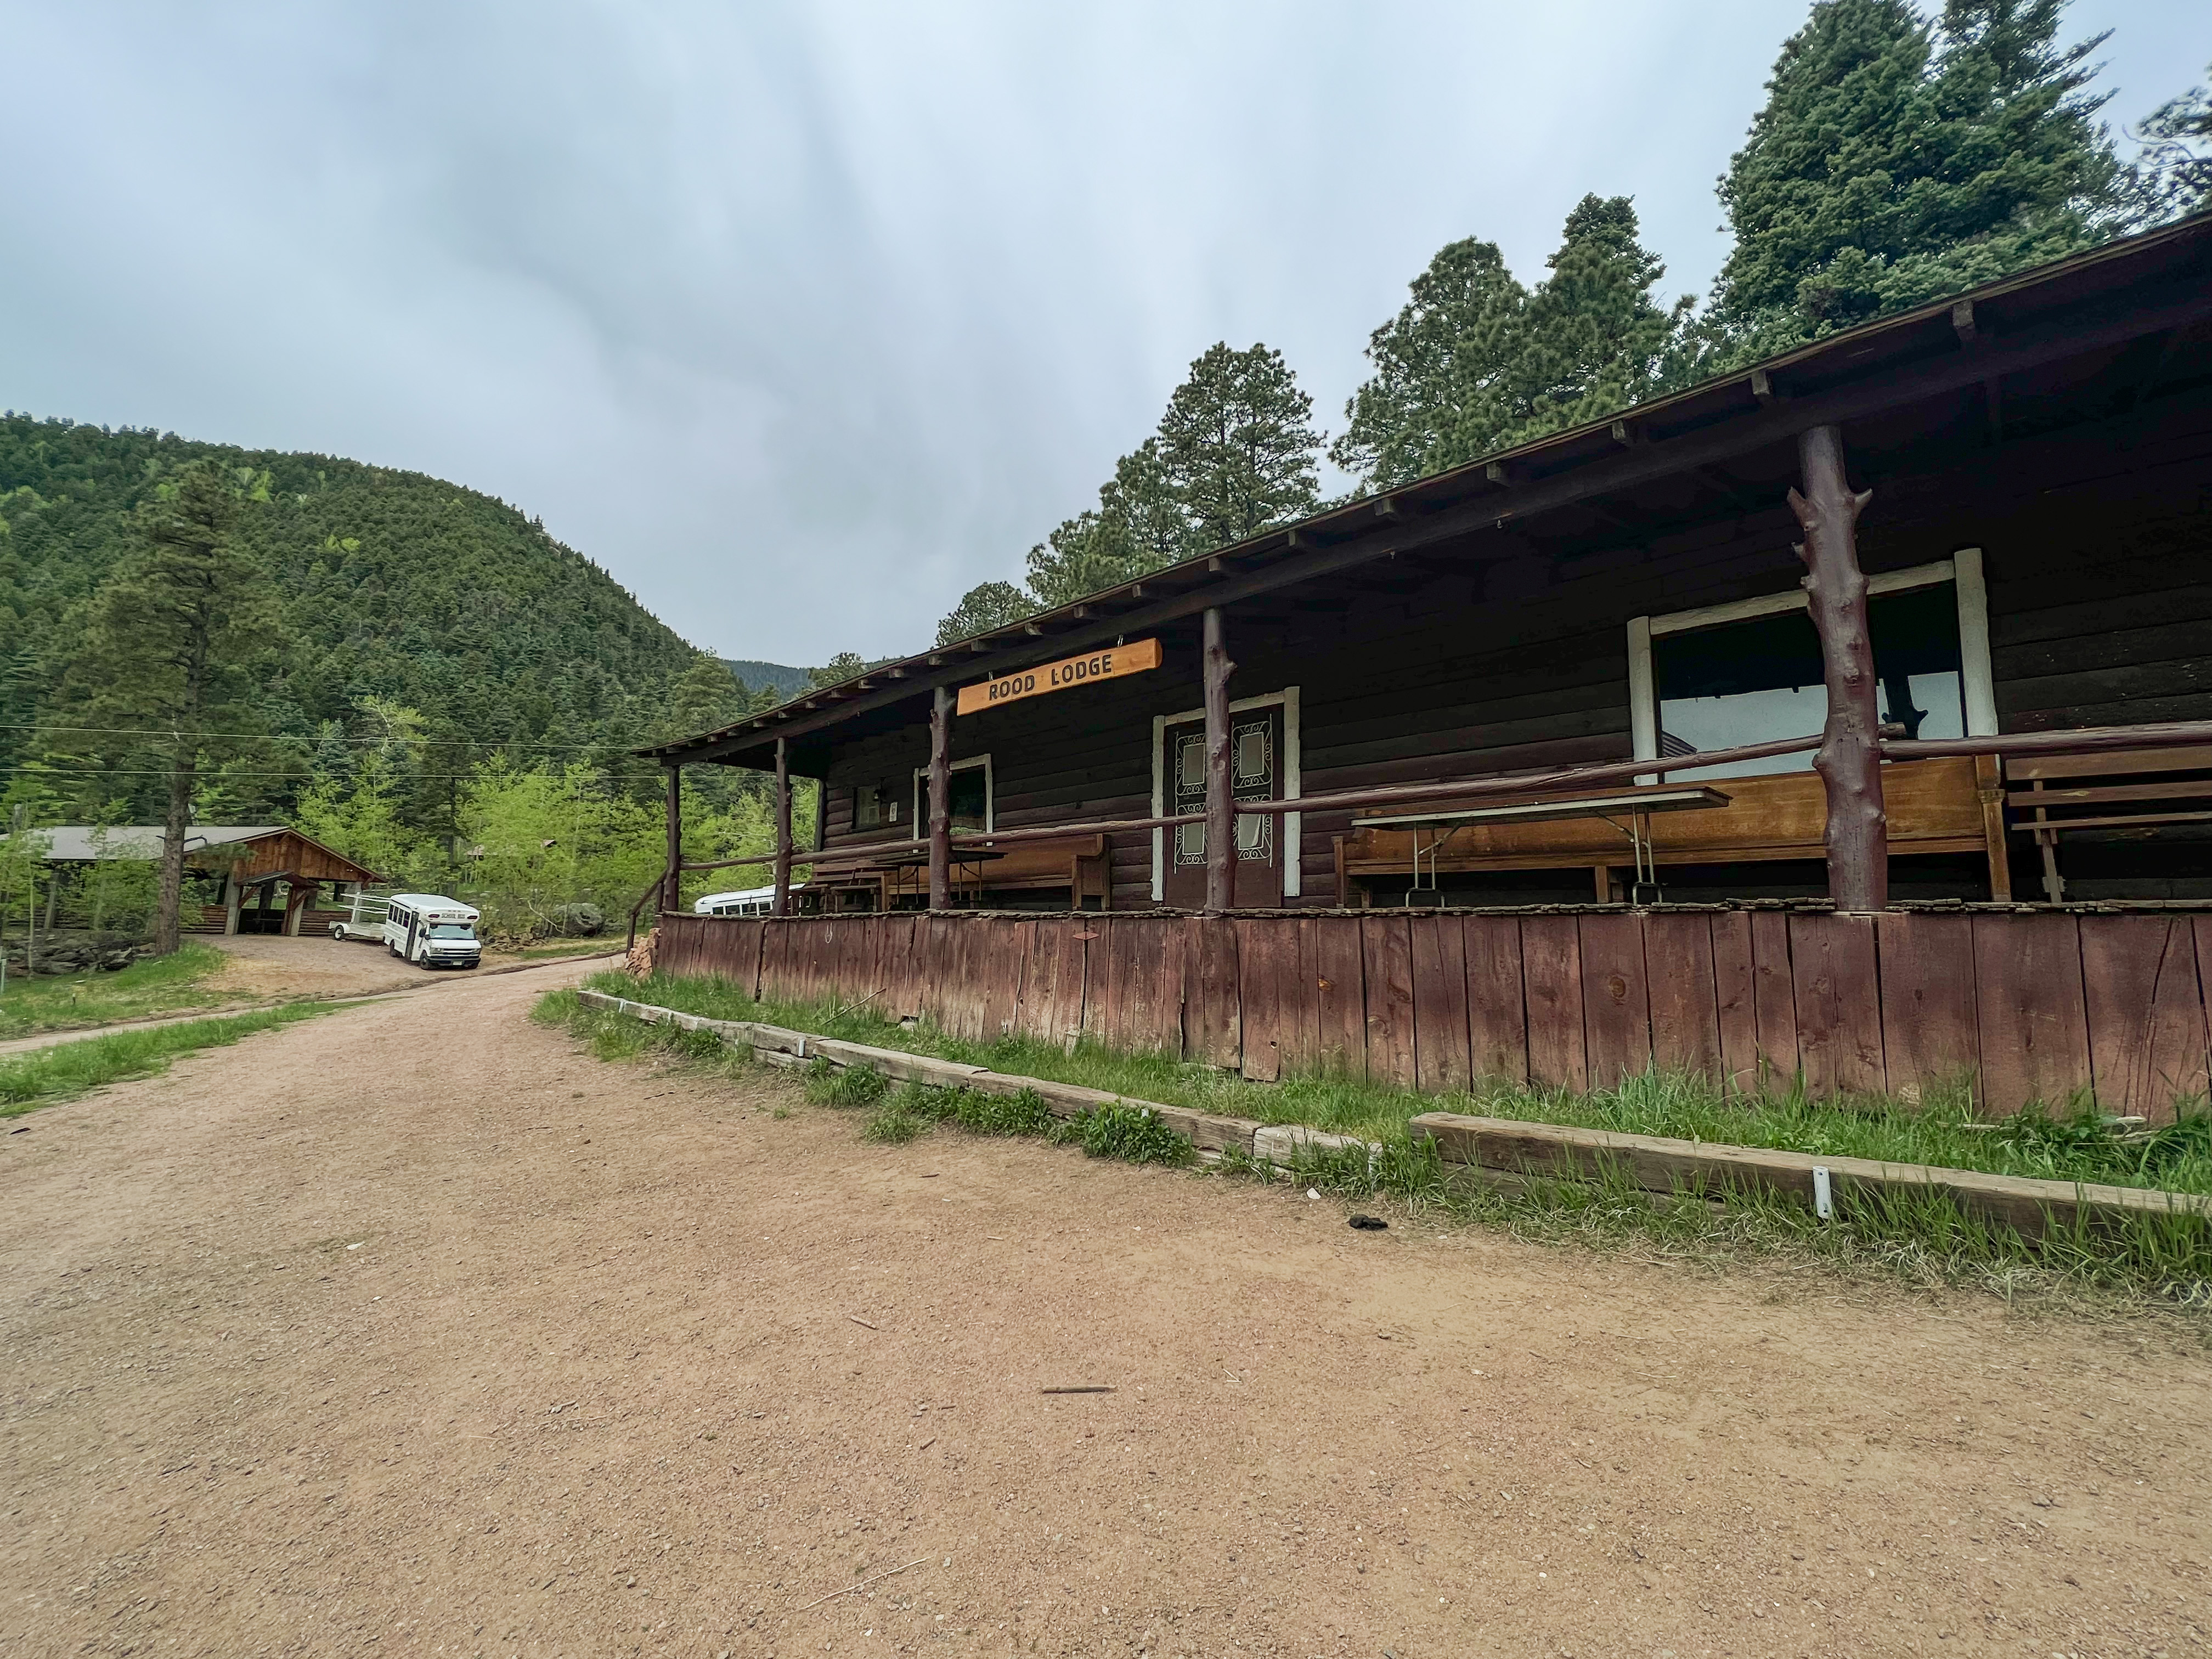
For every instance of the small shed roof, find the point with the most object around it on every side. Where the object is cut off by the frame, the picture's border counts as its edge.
(74, 843)
(286, 851)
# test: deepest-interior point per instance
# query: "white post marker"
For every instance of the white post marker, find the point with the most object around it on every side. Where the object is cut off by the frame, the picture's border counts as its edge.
(1823, 1196)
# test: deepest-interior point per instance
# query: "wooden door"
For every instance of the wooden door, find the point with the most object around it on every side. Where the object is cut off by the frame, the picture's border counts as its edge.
(1255, 773)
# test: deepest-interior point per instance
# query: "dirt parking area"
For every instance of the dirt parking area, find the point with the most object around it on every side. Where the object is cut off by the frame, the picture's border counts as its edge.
(268, 967)
(414, 1330)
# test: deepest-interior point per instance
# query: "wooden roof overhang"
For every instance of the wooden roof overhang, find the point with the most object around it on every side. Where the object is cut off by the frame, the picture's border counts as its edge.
(2066, 342)
(284, 853)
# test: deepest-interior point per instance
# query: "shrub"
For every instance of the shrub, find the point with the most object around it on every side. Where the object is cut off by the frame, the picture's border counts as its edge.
(1134, 1134)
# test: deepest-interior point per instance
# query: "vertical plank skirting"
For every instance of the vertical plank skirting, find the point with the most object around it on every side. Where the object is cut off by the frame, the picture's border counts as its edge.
(1616, 999)
(1386, 955)
(1266, 966)
(1733, 999)
(1773, 996)
(1833, 967)
(1685, 1021)
(2046, 1006)
(1497, 1009)
(2035, 1027)
(1930, 1027)
(1440, 1026)
(2145, 1003)
(1552, 968)
(1340, 998)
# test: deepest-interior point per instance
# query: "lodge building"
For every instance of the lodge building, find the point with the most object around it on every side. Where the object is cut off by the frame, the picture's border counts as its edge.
(1488, 692)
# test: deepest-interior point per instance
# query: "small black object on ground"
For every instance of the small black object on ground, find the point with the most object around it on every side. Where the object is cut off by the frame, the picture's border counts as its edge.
(1369, 1224)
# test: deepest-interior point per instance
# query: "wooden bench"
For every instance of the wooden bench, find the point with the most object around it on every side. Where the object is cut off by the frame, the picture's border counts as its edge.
(2126, 790)
(888, 875)
(1948, 805)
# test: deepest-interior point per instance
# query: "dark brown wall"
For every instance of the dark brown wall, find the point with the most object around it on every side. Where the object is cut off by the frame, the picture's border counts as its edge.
(2098, 553)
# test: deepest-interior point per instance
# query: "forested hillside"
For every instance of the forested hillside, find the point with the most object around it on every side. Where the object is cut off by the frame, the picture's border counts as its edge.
(411, 671)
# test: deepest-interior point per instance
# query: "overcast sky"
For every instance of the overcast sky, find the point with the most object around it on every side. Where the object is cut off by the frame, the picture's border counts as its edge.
(801, 319)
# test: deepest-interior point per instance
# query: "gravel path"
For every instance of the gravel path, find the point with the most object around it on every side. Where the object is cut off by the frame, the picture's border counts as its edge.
(414, 1330)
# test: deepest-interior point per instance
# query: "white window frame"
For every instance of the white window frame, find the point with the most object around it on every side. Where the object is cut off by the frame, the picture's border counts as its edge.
(922, 796)
(1976, 684)
(1292, 787)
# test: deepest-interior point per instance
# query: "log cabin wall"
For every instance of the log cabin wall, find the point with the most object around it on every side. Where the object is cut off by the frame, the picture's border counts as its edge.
(2099, 585)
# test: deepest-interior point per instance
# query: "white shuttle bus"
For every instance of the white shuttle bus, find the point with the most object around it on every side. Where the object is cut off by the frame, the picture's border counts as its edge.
(432, 931)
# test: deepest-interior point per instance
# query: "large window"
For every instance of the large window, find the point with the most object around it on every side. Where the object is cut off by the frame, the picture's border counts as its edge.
(1750, 672)
(972, 796)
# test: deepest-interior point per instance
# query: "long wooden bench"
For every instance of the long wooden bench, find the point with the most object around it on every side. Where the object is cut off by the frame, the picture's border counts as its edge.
(1949, 805)
(888, 875)
(2128, 791)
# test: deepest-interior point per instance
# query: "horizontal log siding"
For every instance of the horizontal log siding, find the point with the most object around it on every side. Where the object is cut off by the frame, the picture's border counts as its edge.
(1513, 656)
(2036, 1007)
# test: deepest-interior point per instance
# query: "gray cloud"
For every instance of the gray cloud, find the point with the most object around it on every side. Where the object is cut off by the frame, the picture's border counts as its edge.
(803, 319)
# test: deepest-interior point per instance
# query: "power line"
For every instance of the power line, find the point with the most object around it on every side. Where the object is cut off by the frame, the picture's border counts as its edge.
(275, 736)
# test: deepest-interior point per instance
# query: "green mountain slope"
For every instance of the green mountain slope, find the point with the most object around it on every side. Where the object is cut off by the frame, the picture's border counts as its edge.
(391, 585)
(784, 681)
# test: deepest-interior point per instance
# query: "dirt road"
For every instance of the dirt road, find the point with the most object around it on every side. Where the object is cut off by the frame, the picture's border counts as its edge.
(412, 1330)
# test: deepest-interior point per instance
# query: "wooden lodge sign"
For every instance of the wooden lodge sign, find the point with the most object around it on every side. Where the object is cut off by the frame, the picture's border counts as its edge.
(1109, 664)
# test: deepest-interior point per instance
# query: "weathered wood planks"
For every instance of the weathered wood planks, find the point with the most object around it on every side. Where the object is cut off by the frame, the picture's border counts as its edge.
(2026, 1008)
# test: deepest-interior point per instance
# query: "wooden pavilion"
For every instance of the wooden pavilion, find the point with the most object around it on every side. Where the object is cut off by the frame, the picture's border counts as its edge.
(1851, 713)
(270, 877)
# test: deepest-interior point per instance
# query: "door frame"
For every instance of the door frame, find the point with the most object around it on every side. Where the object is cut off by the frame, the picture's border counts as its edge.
(1287, 701)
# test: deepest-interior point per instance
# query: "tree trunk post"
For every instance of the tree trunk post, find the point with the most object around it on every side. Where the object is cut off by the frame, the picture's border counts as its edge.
(1220, 813)
(166, 923)
(940, 800)
(780, 905)
(1849, 756)
(671, 881)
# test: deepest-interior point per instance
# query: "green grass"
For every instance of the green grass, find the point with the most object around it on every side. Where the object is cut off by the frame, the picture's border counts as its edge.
(161, 985)
(45, 1077)
(2072, 1143)
(577, 947)
(1919, 1237)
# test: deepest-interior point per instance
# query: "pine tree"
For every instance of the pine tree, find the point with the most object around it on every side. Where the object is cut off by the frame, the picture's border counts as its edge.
(1446, 372)
(1138, 525)
(1237, 447)
(2174, 176)
(170, 641)
(982, 608)
(1594, 342)
(1893, 163)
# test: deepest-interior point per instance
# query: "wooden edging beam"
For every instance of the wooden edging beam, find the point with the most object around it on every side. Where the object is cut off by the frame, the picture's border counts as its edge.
(1660, 1164)
(1509, 1149)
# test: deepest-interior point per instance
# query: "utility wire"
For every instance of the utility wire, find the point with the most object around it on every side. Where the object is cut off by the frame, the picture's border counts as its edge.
(274, 737)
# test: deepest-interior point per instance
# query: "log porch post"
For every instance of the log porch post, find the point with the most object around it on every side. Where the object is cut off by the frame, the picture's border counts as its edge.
(1849, 757)
(1220, 815)
(780, 905)
(671, 880)
(940, 800)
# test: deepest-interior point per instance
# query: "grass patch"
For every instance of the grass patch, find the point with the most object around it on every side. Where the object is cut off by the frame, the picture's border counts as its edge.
(160, 984)
(1920, 1237)
(45, 1077)
(2071, 1143)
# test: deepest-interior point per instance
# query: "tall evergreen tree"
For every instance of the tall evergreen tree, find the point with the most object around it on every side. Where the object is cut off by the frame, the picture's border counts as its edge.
(1447, 369)
(1594, 340)
(982, 608)
(1237, 445)
(170, 642)
(1138, 525)
(2174, 176)
(1893, 162)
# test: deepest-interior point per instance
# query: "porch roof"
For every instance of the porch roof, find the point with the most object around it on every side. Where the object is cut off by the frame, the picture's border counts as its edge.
(2114, 314)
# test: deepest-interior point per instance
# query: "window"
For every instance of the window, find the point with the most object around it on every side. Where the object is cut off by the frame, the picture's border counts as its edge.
(970, 801)
(867, 807)
(450, 930)
(1751, 671)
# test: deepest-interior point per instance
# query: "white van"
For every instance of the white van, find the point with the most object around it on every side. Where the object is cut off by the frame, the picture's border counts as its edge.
(750, 901)
(431, 930)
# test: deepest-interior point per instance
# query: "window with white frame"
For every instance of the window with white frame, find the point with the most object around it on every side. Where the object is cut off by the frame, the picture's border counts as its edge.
(970, 796)
(1725, 676)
